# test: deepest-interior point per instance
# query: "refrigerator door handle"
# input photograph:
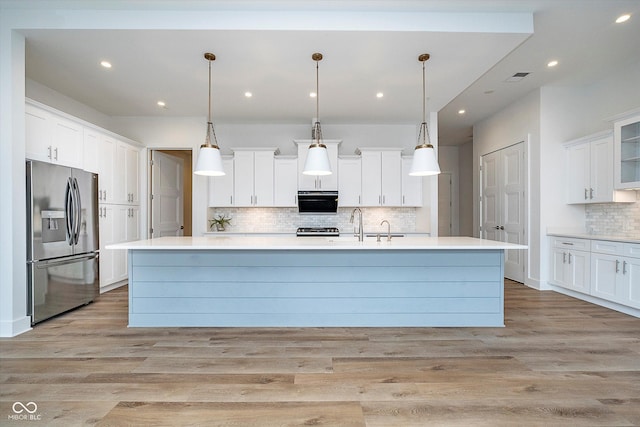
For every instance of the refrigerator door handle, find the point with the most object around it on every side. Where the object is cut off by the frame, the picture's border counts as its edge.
(68, 212)
(65, 260)
(78, 212)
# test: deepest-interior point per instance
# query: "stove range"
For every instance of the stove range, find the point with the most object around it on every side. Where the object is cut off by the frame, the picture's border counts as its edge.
(317, 231)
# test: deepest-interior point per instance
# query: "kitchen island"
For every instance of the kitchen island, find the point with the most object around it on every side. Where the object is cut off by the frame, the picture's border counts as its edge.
(316, 281)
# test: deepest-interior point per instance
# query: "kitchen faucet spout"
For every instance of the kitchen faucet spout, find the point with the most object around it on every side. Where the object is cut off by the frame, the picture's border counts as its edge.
(360, 231)
(388, 229)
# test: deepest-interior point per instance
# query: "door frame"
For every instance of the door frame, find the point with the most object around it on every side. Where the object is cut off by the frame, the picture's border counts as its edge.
(187, 199)
(526, 143)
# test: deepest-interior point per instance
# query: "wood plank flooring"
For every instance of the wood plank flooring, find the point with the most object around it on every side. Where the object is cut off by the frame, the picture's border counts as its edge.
(558, 361)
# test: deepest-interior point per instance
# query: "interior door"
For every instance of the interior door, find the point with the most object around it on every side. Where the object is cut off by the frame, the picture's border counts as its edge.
(503, 195)
(167, 208)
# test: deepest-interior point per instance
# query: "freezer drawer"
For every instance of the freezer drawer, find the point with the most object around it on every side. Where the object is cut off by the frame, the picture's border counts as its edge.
(59, 285)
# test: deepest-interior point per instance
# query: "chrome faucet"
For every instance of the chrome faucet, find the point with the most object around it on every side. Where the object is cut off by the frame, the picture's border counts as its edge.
(388, 229)
(360, 232)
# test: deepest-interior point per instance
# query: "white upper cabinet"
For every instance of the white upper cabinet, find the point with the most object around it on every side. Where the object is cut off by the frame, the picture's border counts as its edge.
(221, 187)
(381, 177)
(627, 152)
(311, 182)
(411, 185)
(589, 164)
(100, 157)
(126, 180)
(350, 184)
(49, 137)
(253, 177)
(285, 180)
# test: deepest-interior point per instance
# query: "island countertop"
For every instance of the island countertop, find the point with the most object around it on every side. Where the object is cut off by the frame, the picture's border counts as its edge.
(314, 243)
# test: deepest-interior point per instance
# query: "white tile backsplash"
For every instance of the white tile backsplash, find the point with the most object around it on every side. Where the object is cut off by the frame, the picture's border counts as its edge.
(618, 219)
(287, 220)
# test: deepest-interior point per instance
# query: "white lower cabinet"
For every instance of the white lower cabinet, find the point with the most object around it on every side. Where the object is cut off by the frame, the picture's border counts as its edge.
(616, 276)
(106, 219)
(571, 265)
(118, 223)
(608, 270)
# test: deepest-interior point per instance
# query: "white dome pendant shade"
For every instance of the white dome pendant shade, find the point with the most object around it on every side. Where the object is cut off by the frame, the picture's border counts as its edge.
(209, 160)
(424, 161)
(317, 162)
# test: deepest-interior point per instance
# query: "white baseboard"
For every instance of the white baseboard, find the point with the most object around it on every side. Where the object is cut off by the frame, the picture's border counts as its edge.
(597, 301)
(15, 327)
(113, 286)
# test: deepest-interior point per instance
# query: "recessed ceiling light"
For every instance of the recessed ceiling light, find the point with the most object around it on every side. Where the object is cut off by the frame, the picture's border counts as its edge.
(379, 95)
(248, 94)
(489, 92)
(161, 104)
(461, 111)
(105, 64)
(552, 63)
(313, 94)
(623, 18)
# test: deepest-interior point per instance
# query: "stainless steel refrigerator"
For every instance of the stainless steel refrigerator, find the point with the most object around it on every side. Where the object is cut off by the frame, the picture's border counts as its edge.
(62, 239)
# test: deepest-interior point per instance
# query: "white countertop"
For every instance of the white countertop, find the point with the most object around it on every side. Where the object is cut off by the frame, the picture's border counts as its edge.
(611, 238)
(312, 243)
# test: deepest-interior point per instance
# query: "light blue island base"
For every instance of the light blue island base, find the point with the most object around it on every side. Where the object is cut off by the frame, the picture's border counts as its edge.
(316, 288)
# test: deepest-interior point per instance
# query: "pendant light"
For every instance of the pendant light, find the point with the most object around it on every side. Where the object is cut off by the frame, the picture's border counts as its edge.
(317, 162)
(424, 157)
(209, 159)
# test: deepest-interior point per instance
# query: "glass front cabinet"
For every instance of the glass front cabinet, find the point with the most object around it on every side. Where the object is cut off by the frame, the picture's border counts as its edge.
(627, 152)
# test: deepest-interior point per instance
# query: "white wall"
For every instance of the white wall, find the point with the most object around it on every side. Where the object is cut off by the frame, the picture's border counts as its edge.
(465, 185)
(448, 158)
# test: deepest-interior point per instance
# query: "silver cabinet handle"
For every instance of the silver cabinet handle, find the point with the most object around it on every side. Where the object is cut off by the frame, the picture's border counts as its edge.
(49, 149)
(230, 200)
(617, 266)
(569, 257)
(624, 267)
(403, 200)
(564, 257)
(384, 199)
(585, 194)
(55, 152)
(104, 194)
(100, 195)
(591, 193)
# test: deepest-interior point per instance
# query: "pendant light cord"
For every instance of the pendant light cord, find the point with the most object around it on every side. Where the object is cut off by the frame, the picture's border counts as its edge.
(210, 130)
(423, 135)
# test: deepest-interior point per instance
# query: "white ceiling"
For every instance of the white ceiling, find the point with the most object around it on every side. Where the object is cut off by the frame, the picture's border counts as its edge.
(368, 46)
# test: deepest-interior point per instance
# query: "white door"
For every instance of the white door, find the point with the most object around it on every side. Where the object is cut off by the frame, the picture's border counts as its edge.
(167, 192)
(445, 219)
(503, 196)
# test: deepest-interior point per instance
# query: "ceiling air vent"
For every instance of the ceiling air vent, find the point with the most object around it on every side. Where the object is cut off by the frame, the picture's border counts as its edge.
(517, 77)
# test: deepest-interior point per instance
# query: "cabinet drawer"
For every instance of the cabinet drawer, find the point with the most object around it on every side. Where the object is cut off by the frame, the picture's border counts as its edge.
(607, 247)
(571, 243)
(632, 250)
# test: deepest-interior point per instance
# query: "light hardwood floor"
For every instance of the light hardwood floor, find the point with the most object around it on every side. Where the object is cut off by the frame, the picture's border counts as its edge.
(558, 361)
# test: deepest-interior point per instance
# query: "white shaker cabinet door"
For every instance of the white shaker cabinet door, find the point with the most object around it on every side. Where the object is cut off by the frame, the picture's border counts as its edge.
(221, 187)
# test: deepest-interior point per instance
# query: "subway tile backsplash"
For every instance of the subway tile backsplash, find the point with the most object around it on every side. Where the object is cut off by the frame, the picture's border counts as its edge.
(287, 220)
(619, 219)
